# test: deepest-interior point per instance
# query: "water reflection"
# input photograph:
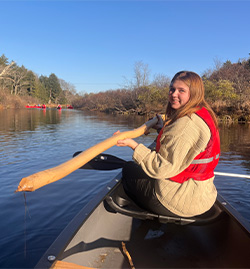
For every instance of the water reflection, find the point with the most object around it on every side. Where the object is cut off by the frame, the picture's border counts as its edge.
(235, 144)
(12, 121)
(32, 140)
(131, 121)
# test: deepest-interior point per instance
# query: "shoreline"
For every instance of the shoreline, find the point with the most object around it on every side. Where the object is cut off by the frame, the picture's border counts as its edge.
(238, 117)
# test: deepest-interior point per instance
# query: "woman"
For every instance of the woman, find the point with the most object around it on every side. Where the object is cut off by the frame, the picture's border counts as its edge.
(177, 178)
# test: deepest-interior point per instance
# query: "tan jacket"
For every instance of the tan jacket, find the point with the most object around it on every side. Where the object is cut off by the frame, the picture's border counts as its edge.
(181, 142)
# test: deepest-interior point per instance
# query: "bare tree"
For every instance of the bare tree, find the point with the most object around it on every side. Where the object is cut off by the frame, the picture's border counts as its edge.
(161, 81)
(68, 90)
(141, 77)
(6, 70)
(141, 74)
(67, 86)
(15, 78)
(217, 64)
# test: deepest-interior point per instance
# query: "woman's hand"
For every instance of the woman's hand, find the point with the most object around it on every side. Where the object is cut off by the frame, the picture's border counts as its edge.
(158, 126)
(127, 142)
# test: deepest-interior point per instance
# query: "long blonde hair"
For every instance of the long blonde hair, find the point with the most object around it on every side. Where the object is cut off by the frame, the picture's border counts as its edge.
(196, 100)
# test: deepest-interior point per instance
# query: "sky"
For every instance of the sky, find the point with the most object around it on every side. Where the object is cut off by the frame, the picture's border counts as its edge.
(95, 45)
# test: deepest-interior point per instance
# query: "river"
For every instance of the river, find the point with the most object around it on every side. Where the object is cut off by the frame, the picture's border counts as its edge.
(32, 140)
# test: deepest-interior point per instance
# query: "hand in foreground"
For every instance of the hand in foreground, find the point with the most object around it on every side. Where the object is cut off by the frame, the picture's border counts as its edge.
(128, 142)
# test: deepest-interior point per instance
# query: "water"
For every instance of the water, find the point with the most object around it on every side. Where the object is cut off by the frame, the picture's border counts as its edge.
(34, 140)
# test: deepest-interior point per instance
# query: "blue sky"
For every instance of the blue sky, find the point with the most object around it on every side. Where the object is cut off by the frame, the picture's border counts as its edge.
(95, 44)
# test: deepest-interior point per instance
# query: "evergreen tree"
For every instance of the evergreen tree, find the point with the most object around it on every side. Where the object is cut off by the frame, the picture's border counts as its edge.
(55, 88)
(4, 60)
(52, 86)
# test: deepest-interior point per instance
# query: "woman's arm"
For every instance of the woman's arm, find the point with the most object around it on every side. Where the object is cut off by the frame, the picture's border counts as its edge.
(131, 143)
(181, 142)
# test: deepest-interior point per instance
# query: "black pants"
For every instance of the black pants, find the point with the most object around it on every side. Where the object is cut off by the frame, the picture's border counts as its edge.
(141, 189)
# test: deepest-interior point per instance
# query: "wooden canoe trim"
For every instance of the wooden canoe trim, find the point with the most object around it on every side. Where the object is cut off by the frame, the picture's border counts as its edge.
(125, 251)
(68, 265)
(40, 179)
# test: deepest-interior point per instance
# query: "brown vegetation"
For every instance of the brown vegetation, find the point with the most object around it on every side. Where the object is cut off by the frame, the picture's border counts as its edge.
(14, 101)
(227, 90)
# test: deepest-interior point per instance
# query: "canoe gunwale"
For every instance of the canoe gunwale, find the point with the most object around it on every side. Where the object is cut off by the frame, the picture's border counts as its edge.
(233, 213)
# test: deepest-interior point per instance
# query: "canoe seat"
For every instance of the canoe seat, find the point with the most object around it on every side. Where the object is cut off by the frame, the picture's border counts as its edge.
(119, 202)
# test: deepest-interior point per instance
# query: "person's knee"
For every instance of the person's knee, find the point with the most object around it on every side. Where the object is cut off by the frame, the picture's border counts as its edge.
(129, 169)
(129, 165)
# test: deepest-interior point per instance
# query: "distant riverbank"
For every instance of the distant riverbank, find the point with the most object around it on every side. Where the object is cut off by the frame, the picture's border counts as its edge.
(225, 114)
(19, 102)
(238, 116)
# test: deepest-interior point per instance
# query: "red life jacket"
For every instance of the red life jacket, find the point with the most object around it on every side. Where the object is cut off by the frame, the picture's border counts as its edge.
(203, 165)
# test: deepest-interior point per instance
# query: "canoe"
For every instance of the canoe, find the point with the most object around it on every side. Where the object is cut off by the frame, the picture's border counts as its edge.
(36, 106)
(112, 232)
(28, 106)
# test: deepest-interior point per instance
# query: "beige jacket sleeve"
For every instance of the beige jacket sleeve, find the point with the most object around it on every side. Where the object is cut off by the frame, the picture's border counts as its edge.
(181, 142)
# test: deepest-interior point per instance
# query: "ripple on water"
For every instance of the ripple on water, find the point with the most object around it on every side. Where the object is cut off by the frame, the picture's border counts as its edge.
(32, 141)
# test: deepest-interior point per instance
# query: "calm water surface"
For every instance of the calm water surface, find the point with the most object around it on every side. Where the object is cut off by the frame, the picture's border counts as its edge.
(34, 140)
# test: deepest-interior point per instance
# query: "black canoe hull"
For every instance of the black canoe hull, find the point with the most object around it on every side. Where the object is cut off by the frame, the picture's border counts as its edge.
(94, 239)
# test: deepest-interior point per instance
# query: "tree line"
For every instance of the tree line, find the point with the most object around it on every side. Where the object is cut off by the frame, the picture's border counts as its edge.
(227, 89)
(19, 83)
